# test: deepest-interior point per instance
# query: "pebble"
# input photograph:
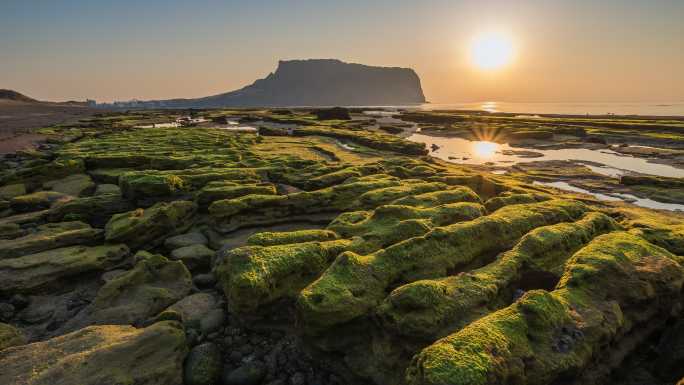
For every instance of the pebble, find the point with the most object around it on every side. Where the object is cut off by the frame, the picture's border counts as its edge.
(19, 301)
(204, 280)
(203, 365)
(213, 321)
(6, 311)
(248, 374)
(298, 379)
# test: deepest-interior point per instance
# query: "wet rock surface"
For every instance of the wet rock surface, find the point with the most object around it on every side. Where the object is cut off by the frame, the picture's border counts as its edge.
(194, 255)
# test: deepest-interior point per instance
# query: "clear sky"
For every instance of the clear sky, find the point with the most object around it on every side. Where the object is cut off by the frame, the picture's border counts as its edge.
(564, 50)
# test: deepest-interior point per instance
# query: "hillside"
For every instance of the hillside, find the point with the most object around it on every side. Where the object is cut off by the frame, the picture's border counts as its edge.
(11, 95)
(315, 82)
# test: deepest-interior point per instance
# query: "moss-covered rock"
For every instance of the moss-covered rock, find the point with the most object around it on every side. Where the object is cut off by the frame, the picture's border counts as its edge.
(48, 269)
(498, 202)
(289, 237)
(215, 191)
(96, 210)
(250, 210)
(609, 287)
(194, 308)
(100, 355)
(252, 276)
(45, 171)
(11, 231)
(668, 237)
(194, 256)
(148, 228)
(355, 284)
(430, 309)
(50, 236)
(10, 336)
(104, 188)
(390, 224)
(203, 365)
(12, 190)
(75, 185)
(37, 201)
(136, 185)
(137, 295)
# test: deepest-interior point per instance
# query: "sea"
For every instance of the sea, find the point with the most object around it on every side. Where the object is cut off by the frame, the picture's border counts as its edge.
(641, 109)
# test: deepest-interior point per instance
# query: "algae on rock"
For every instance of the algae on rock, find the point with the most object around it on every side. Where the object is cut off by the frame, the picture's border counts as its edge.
(148, 228)
(100, 355)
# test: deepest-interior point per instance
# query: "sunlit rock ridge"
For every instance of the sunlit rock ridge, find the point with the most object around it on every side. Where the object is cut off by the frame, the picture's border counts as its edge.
(316, 82)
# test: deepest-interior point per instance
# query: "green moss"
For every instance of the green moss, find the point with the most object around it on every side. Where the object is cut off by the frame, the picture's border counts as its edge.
(54, 268)
(148, 228)
(610, 286)
(151, 286)
(389, 224)
(12, 190)
(436, 198)
(433, 308)
(36, 201)
(255, 275)
(498, 202)
(50, 236)
(96, 210)
(285, 238)
(215, 191)
(10, 336)
(354, 284)
(670, 238)
(249, 210)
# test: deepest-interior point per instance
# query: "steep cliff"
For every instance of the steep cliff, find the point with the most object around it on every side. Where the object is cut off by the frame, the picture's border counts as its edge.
(318, 82)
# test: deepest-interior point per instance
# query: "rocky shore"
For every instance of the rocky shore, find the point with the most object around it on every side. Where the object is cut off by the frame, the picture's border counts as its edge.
(319, 250)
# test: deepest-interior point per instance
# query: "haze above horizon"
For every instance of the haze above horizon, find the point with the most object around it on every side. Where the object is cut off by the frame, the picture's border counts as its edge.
(541, 51)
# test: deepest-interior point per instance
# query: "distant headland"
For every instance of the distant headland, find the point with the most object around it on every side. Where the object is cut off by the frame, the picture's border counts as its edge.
(312, 82)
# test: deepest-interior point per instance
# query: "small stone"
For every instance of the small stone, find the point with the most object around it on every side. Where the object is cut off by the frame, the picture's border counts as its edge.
(246, 349)
(194, 256)
(248, 374)
(203, 365)
(107, 188)
(19, 301)
(6, 311)
(213, 321)
(110, 275)
(277, 381)
(183, 240)
(235, 356)
(194, 307)
(192, 337)
(298, 379)
(204, 280)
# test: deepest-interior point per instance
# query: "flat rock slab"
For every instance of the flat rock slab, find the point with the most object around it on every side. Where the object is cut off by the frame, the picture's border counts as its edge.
(100, 355)
(194, 256)
(183, 240)
(194, 307)
(74, 185)
(107, 188)
(50, 236)
(34, 272)
(137, 295)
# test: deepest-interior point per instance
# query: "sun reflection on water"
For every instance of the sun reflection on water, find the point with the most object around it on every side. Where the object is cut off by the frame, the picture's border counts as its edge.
(490, 107)
(484, 149)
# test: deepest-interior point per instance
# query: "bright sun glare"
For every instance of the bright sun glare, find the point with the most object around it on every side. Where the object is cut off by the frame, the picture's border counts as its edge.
(491, 51)
(484, 149)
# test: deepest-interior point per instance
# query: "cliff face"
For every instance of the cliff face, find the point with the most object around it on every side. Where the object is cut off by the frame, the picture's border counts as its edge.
(319, 82)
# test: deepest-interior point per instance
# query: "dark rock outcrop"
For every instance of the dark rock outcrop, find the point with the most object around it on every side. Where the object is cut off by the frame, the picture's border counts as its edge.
(316, 82)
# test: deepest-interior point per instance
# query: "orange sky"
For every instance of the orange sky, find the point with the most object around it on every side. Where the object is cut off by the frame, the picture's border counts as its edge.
(565, 50)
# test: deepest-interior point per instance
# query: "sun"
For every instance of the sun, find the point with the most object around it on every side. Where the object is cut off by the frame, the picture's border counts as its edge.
(491, 51)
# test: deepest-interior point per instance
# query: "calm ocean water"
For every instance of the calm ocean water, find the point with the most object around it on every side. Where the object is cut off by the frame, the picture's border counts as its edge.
(650, 109)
